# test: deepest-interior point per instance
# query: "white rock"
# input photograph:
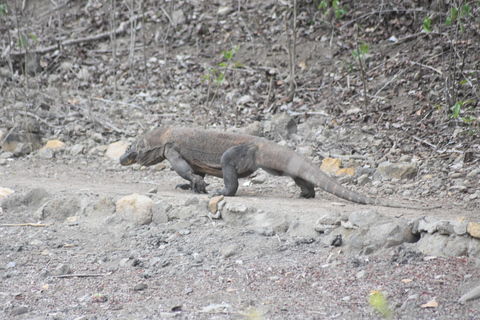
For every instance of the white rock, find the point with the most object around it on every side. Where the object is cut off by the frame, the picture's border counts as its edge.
(116, 150)
(135, 208)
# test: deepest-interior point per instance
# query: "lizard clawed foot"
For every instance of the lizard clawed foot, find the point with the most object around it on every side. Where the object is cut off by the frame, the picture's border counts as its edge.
(183, 186)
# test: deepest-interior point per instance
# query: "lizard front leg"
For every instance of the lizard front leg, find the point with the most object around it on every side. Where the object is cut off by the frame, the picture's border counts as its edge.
(236, 161)
(184, 170)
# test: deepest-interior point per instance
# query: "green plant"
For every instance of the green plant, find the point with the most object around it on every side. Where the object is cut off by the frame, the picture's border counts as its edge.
(339, 11)
(3, 9)
(427, 22)
(358, 54)
(217, 76)
(379, 303)
(456, 111)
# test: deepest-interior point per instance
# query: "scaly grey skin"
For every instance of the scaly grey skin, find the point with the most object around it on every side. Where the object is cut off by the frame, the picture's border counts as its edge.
(194, 153)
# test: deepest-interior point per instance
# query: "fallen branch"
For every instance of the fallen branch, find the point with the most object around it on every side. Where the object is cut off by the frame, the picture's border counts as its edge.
(26, 224)
(121, 29)
(80, 275)
(423, 141)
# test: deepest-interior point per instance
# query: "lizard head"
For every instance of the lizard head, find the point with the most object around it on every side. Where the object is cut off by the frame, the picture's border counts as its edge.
(141, 152)
(131, 154)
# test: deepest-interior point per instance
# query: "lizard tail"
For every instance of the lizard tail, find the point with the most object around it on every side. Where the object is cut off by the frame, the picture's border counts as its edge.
(292, 164)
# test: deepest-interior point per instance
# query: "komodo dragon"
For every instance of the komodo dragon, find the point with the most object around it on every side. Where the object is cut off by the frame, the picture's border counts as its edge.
(194, 153)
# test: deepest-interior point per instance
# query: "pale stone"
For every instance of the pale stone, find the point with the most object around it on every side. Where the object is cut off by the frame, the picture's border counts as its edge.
(135, 208)
(116, 150)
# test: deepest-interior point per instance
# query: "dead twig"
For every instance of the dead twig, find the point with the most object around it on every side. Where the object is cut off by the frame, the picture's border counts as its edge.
(423, 141)
(121, 29)
(81, 275)
(26, 224)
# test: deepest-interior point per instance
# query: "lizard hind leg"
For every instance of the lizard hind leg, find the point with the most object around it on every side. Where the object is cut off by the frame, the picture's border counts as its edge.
(307, 188)
(238, 161)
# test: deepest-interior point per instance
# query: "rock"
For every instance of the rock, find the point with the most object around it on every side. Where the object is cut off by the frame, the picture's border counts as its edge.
(47, 154)
(29, 201)
(116, 150)
(333, 218)
(228, 250)
(278, 222)
(77, 149)
(283, 125)
(306, 151)
(160, 212)
(135, 208)
(5, 192)
(363, 180)
(103, 207)
(401, 170)
(407, 253)
(11, 142)
(302, 229)
(183, 213)
(140, 286)
(62, 208)
(441, 245)
(54, 144)
(473, 229)
(178, 17)
(16, 311)
(255, 129)
(458, 189)
(260, 178)
(22, 149)
(84, 75)
(191, 201)
(426, 224)
(367, 218)
(6, 155)
(474, 174)
(345, 172)
(330, 165)
(62, 269)
(223, 11)
(213, 203)
(449, 227)
(97, 137)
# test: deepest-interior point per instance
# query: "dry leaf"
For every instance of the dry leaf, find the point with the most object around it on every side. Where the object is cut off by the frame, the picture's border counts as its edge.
(303, 65)
(406, 280)
(430, 304)
(419, 112)
(231, 290)
(45, 287)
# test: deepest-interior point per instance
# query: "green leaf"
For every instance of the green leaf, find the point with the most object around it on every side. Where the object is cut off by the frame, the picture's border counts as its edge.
(323, 4)
(463, 82)
(220, 79)
(448, 21)
(33, 37)
(227, 54)
(355, 54)
(456, 109)
(461, 26)
(239, 64)
(426, 24)
(22, 41)
(466, 10)
(3, 9)
(364, 48)
(223, 64)
(454, 13)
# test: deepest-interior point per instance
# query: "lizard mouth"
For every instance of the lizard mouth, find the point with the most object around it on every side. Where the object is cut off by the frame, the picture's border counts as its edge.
(128, 158)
